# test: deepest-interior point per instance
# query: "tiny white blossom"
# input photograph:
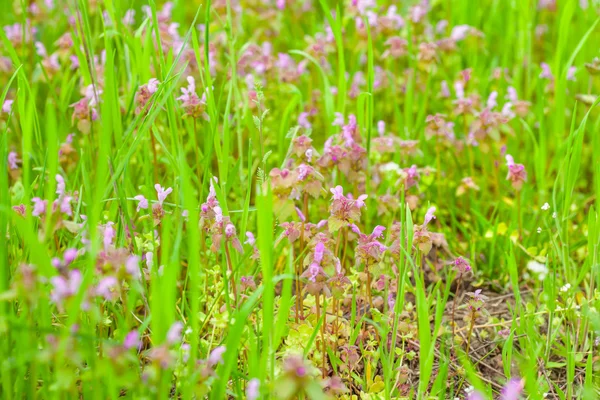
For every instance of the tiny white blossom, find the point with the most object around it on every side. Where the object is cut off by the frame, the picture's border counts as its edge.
(546, 206)
(554, 215)
(565, 288)
(538, 269)
(539, 230)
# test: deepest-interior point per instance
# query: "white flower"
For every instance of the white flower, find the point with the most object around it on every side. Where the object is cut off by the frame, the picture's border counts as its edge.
(539, 230)
(538, 269)
(565, 288)
(546, 206)
(554, 215)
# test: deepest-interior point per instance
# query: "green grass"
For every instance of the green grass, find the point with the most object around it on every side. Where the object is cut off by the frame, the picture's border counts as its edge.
(391, 340)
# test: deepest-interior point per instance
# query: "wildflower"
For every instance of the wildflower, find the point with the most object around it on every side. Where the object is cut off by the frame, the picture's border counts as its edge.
(516, 173)
(344, 210)
(175, 332)
(513, 389)
(369, 249)
(216, 356)
(539, 269)
(7, 106)
(108, 234)
(143, 202)
(65, 286)
(192, 104)
(571, 74)
(162, 193)
(20, 209)
(12, 160)
(476, 300)
(132, 266)
(106, 288)
(144, 94)
(39, 206)
(132, 340)
(252, 389)
(565, 288)
(546, 207)
(461, 265)
(295, 368)
(422, 237)
(69, 256)
(546, 72)
(554, 215)
(539, 230)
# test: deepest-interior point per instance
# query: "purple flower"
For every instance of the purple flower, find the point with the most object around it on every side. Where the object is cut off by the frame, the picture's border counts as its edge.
(319, 252)
(303, 120)
(39, 206)
(108, 234)
(546, 72)
(60, 185)
(429, 216)
(162, 193)
(65, 287)
(216, 356)
(105, 288)
(12, 160)
(7, 106)
(69, 256)
(132, 340)
(517, 174)
(338, 192)
(492, 100)
(143, 202)
(252, 389)
(461, 265)
(132, 266)
(513, 389)
(251, 240)
(459, 32)
(174, 333)
(571, 73)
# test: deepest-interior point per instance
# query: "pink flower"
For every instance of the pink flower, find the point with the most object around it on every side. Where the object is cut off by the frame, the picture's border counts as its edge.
(338, 192)
(132, 340)
(429, 215)
(517, 174)
(39, 206)
(571, 74)
(65, 287)
(143, 202)
(252, 389)
(492, 100)
(319, 251)
(60, 185)
(174, 333)
(546, 72)
(108, 234)
(280, 4)
(513, 389)
(461, 265)
(132, 266)
(69, 256)
(7, 106)
(216, 356)
(12, 160)
(162, 193)
(360, 202)
(251, 240)
(107, 288)
(460, 32)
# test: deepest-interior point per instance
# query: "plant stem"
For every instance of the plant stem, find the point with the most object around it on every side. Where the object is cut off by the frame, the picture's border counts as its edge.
(231, 276)
(454, 308)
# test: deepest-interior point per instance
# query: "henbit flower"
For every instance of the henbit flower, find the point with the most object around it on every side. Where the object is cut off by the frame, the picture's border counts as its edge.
(216, 356)
(143, 202)
(517, 174)
(12, 160)
(108, 234)
(429, 215)
(174, 333)
(65, 287)
(39, 206)
(132, 266)
(459, 32)
(546, 72)
(492, 100)
(571, 74)
(69, 256)
(513, 389)
(60, 185)
(7, 106)
(251, 240)
(192, 104)
(461, 265)
(253, 389)
(132, 340)
(107, 288)
(162, 193)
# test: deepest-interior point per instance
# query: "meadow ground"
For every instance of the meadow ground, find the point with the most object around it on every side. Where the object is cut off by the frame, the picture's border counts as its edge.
(299, 199)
